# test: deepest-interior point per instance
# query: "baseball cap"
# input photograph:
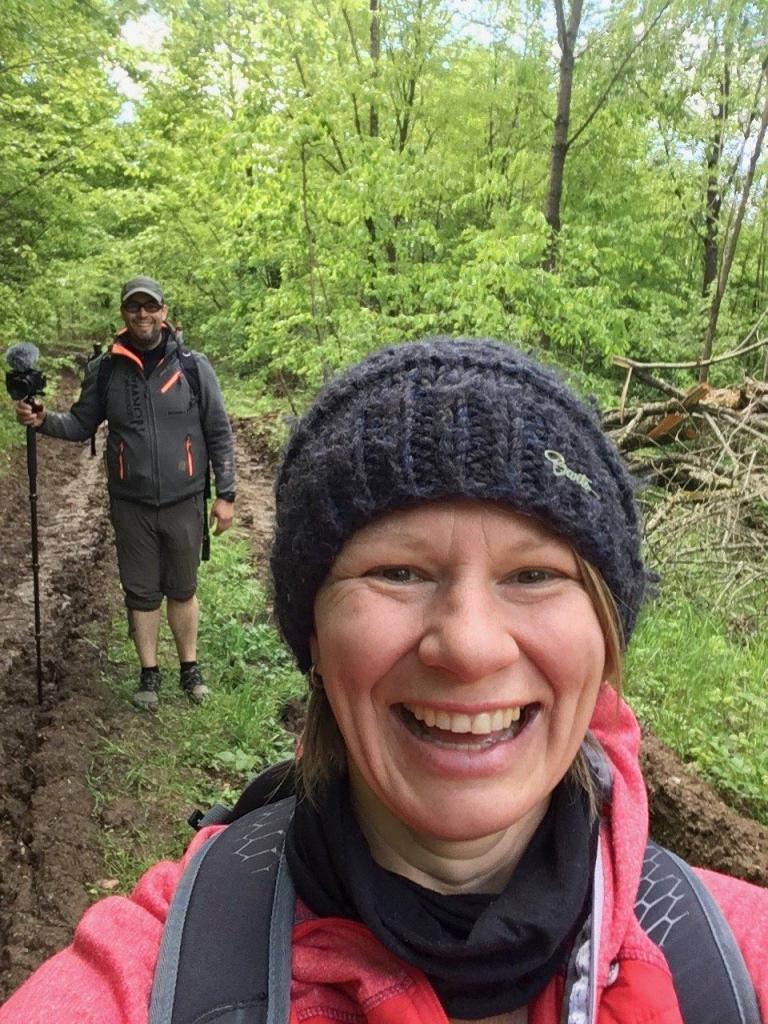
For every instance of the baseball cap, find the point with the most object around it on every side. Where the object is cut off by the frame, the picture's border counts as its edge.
(142, 284)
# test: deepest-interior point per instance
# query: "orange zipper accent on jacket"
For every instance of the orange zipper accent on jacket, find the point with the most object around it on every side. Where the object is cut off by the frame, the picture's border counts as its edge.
(190, 461)
(120, 461)
(170, 382)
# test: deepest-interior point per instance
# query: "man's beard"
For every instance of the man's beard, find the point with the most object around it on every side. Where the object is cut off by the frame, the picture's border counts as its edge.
(147, 342)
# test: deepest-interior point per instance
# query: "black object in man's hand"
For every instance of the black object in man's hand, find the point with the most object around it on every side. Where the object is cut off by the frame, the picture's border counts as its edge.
(23, 381)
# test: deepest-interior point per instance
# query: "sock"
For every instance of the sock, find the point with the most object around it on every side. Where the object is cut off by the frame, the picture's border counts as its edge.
(187, 664)
(149, 668)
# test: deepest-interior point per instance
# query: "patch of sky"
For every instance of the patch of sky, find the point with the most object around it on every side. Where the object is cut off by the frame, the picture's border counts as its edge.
(147, 33)
(473, 20)
(489, 22)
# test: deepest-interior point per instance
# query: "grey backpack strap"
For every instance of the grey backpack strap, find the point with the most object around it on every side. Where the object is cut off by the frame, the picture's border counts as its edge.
(225, 955)
(677, 912)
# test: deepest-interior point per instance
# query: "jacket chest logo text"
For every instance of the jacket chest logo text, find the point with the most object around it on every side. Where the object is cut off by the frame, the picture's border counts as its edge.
(134, 399)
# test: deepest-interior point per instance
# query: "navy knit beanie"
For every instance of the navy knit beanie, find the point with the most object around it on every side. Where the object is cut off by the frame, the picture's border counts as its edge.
(444, 418)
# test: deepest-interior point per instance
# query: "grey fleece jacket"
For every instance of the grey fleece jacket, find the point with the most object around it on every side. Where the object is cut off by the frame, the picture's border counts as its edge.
(160, 439)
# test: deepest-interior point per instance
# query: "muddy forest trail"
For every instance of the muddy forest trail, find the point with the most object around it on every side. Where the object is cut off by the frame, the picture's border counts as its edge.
(50, 829)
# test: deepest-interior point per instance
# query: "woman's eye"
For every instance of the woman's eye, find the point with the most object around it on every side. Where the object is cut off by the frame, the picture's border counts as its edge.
(394, 573)
(531, 576)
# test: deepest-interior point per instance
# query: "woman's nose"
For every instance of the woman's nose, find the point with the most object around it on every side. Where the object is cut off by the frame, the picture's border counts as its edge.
(468, 633)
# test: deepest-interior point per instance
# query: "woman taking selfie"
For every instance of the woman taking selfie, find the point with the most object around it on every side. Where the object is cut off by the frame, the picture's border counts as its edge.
(457, 569)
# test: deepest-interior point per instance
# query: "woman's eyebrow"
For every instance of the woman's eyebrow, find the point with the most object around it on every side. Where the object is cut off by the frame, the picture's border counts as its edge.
(424, 541)
(383, 544)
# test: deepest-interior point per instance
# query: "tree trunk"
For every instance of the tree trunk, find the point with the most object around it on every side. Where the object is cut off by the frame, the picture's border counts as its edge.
(375, 49)
(310, 239)
(714, 195)
(729, 249)
(760, 268)
(566, 36)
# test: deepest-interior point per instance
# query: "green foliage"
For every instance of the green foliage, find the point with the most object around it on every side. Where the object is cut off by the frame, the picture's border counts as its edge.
(11, 435)
(59, 150)
(704, 694)
(308, 190)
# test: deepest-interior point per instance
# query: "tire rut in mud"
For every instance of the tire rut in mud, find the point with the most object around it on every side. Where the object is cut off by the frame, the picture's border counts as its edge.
(50, 855)
(49, 851)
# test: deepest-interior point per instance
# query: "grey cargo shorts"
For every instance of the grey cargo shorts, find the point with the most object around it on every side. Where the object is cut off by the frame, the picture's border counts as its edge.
(158, 550)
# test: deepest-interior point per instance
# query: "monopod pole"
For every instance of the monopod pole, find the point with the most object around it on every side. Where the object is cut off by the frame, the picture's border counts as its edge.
(32, 473)
(95, 353)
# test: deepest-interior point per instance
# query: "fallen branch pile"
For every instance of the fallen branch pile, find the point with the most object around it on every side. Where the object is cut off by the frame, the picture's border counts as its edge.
(704, 453)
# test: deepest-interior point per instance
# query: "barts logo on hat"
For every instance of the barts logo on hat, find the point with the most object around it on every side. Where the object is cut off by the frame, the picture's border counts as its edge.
(561, 468)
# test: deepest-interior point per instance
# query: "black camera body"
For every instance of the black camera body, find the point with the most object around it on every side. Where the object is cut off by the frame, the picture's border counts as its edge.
(23, 385)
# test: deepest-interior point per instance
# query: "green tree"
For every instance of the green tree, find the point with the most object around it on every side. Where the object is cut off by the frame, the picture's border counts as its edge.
(58, 150)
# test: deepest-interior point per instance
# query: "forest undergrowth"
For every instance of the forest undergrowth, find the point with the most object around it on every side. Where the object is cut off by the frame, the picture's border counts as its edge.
(699, 681)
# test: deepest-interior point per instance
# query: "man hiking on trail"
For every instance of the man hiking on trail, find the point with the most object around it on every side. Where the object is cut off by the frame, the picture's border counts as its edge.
(166, 420)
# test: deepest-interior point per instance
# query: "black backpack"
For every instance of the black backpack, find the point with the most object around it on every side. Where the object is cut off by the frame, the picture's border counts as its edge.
(191, 371)
(225, 954)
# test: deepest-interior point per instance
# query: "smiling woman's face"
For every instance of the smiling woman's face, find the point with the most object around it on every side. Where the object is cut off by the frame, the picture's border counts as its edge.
(462, 659)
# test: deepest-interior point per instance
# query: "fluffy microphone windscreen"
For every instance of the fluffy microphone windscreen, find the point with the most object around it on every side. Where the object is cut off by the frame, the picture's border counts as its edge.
(22, 356)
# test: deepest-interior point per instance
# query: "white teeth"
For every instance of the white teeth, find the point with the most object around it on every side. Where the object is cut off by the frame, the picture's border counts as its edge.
(510, 715)
(482, 724)
(442, 720)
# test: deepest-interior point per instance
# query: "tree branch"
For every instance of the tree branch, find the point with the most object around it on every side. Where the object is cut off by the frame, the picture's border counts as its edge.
(352, 40)
(617, 75)
(626, 363)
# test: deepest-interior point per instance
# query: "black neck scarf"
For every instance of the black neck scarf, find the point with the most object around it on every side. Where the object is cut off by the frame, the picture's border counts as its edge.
(484, 954)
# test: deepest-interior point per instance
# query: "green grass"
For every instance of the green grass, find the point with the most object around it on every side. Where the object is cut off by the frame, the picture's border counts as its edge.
(12, 436)
(705, 693)
(269, 414)
(186, 756)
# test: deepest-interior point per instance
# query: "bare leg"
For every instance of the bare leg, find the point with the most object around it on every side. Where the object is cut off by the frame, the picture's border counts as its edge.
(182, 618)
(146, 626)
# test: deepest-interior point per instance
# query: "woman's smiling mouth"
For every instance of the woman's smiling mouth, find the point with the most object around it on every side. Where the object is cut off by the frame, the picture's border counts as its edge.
(462, 731)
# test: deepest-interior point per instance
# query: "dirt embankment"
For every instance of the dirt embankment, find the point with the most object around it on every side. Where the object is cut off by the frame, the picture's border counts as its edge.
(688, 817)
(49, 852)
(49, 828)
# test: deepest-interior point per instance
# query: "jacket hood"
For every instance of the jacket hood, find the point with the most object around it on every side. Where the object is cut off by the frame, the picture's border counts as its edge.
(624, 825)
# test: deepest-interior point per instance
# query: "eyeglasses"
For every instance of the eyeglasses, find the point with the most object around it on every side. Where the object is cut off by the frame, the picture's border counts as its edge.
(149, 307)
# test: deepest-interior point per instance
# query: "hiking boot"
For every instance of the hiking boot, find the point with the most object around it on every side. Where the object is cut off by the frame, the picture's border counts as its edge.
(146, 696)
(192, 684)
